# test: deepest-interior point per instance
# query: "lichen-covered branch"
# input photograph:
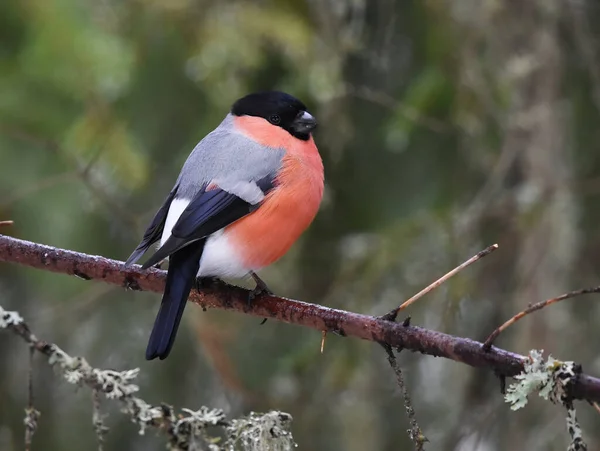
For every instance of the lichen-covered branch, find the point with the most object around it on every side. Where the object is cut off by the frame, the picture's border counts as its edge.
(228, 297)
(31, 413)
(414, 433)
(184, 430)
(552, 380)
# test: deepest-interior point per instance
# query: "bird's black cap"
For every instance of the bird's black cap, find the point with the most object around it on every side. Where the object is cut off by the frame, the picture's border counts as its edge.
(280, 109)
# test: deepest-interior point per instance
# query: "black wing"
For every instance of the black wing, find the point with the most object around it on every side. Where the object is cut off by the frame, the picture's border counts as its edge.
(154, 230)
(207, 213)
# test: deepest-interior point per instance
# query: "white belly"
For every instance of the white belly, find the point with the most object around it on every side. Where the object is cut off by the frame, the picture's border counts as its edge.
(219, 259)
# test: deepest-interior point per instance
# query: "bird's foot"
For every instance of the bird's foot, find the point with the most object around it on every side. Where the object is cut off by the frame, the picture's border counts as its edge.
(204, 282)
(258, 291)
(260, 288)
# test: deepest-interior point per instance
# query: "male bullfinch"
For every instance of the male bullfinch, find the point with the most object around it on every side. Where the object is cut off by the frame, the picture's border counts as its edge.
(245, 194)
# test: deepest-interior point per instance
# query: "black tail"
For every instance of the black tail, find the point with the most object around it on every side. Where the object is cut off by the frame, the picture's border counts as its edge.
(183, 267)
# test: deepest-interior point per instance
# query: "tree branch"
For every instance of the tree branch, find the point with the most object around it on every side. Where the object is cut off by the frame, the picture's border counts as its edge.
(228, 297)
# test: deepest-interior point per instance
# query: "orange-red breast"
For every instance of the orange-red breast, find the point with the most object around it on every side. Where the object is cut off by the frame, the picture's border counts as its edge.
(245, 194)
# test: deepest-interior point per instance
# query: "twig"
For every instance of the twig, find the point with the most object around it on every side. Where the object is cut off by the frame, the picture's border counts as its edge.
(323, 337)
(415, 433)
(227, 297)
(31, 414)
(391, 316)
(532, 308)
(6, 223)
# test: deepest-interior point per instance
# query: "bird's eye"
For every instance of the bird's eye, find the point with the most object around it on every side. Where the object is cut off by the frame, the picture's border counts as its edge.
(274, 119)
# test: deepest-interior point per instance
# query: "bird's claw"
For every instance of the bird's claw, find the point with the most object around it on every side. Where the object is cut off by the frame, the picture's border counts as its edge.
(260, 288)
(203, 282)
(258, 291)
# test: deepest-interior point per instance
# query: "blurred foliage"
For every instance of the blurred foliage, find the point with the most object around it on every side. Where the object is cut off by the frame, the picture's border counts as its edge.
(445, 126)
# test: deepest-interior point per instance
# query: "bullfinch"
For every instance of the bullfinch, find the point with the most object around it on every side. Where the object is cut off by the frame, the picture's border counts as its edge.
(245, 194)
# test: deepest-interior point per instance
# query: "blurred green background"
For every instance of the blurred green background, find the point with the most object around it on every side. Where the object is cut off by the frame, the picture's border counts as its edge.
(446, 126)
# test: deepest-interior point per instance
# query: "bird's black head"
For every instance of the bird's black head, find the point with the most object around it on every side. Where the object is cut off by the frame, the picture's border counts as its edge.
(280, 109)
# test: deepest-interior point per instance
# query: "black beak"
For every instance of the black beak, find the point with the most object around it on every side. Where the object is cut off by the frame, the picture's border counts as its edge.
(304, 123)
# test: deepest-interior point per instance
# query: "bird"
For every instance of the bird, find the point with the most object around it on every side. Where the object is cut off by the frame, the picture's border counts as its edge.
(245, 194)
